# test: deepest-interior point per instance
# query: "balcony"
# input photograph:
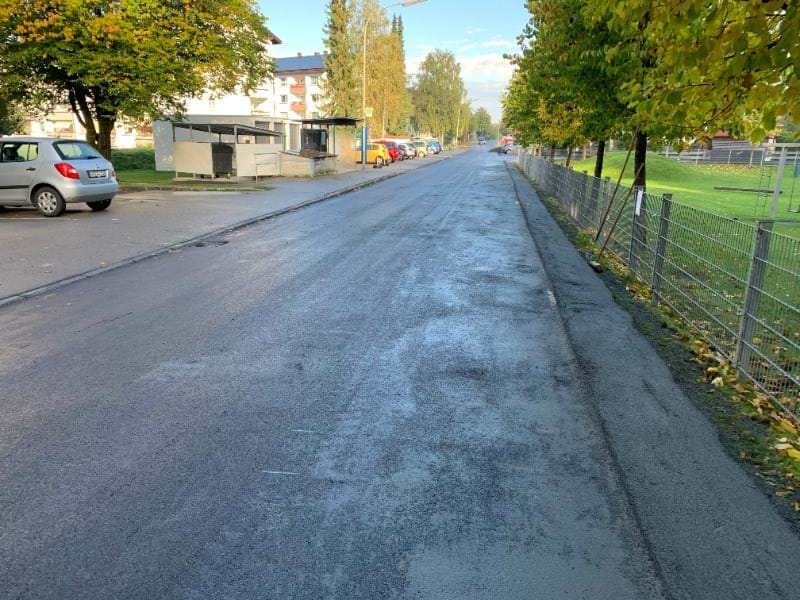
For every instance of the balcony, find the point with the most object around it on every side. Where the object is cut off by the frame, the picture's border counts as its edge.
(298, 89)
(299, 108)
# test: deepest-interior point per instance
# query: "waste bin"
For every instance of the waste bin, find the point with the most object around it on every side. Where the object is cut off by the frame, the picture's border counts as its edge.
(222, 159)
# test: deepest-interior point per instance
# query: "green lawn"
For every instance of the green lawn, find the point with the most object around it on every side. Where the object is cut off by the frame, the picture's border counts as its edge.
(139, 176)
(160, 180)
(707, 260)
(694, 185)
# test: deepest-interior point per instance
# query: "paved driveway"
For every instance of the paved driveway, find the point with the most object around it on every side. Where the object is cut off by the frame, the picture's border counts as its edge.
(35, 251)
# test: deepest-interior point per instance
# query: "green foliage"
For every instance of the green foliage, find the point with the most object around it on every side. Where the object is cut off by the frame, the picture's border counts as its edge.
(676, 71)
(437, 93)
(11, 120)
(562, 93)
(482, 123)
(705, 65)
(133, 159)
(341, 83)
(130, 58)
(789, 131)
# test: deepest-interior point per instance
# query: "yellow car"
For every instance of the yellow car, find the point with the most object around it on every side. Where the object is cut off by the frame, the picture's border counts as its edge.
(377, 155)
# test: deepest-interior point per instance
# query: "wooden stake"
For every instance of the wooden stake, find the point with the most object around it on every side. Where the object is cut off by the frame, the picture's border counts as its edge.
(619, 215)
(616, 189)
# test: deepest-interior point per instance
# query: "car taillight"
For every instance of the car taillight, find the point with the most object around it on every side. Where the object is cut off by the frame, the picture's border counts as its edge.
(113, 173)
(67, 170)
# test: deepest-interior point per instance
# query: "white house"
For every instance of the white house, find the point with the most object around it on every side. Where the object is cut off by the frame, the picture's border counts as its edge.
(293, 94)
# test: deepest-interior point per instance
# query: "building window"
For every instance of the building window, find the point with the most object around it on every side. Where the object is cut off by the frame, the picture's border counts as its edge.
(282, 80)
(314, 80)
(284, 99)
(315, 115)
(315, 98)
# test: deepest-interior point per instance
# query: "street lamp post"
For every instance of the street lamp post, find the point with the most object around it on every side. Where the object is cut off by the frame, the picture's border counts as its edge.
(364, 128)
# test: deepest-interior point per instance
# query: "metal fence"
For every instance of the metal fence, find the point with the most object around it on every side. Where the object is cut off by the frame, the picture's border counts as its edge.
(737, 284)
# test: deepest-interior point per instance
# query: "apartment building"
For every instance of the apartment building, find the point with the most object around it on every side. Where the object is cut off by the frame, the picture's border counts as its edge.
(297, 87)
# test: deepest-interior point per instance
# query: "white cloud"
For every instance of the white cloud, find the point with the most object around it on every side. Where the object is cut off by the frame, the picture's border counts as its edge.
(487, 67)
(498, 44)
(487, 94)
(509, 45)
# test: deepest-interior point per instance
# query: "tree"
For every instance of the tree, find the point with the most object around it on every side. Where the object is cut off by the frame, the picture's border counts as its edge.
(341, 82)
(564, 80)
(482, 122)
(788, 130)
(386, 83)
(128, 58)
(712, 64)
(399, 122)
(438, 93)
(11, 120)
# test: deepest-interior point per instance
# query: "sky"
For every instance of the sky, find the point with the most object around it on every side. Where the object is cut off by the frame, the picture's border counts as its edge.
(478, 32)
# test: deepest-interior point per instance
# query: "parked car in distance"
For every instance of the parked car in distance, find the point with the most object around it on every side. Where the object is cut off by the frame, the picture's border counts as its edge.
(391, 147)
(422, 149)
(50, 173)
(481, 141)
(408, 149)
(437, 147)
(377, 155)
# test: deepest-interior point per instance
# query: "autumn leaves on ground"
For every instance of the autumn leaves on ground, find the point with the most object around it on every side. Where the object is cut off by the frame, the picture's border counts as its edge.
(751, 426)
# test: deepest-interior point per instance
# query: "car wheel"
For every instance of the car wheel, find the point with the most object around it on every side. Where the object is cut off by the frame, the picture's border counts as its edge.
(49, 202)
(99, 205)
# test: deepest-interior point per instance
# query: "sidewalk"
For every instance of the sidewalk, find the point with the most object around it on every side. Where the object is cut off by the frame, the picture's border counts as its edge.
(38, 252)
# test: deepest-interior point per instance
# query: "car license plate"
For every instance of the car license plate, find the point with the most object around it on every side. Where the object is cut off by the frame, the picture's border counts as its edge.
(98, 174)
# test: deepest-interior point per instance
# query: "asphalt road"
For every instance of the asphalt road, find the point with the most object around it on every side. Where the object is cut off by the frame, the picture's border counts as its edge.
(374, 397)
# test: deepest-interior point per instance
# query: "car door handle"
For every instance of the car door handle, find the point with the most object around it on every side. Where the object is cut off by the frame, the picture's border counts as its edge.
(31, 169)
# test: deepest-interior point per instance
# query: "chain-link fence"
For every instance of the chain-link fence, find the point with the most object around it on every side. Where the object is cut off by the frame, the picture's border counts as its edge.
(737, 284)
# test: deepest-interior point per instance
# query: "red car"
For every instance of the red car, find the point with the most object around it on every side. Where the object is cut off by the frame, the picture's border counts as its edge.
(393, 150)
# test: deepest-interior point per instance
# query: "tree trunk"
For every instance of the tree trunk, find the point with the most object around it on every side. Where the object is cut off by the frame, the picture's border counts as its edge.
(640, 156)
(103, 144)
(569, 156)
(552, 153)
(80, 106)
(598, 161)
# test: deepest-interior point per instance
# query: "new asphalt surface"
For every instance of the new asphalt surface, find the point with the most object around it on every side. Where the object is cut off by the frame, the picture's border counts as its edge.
(393, 394)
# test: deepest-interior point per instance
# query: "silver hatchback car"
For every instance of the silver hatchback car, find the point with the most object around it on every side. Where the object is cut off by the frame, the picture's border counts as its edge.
(49, 173)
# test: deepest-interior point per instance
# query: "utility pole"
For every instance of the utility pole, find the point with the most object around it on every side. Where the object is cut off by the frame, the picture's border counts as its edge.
(364, 128)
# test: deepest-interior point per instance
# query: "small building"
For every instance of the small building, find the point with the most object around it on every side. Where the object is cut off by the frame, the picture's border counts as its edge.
(214, 150)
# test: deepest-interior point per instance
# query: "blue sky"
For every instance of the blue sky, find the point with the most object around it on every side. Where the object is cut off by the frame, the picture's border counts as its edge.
(477, 31)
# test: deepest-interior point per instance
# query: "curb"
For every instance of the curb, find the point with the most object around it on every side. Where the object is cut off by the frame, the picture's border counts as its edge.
(59, 283)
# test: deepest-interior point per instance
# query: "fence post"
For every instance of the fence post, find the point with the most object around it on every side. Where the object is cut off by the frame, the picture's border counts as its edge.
(752, 294)
(633, 251)
(585, 195)
(661, 246)
(605, 196)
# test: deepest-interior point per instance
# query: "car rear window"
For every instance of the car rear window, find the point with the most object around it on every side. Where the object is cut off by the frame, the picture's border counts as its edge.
(75, 150)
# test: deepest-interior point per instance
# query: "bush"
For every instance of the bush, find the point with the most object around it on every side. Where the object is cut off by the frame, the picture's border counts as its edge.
(136, 158)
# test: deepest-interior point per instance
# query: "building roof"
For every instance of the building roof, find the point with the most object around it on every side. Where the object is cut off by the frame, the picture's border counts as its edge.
(227, 129)
(292, 64)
